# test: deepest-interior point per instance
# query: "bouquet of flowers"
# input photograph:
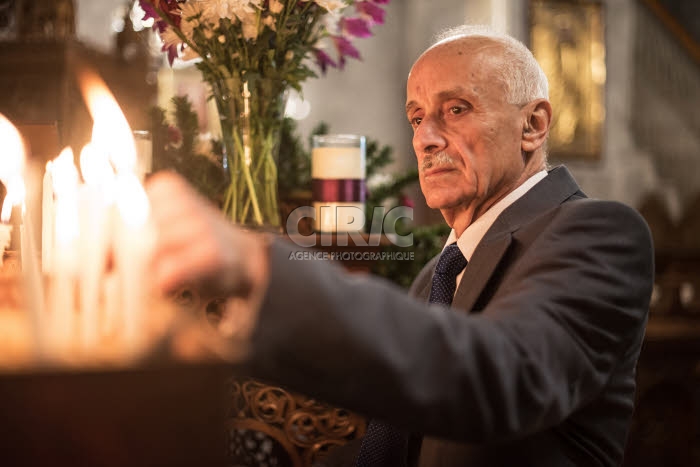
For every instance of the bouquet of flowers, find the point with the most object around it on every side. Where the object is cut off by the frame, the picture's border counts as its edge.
(251, 52)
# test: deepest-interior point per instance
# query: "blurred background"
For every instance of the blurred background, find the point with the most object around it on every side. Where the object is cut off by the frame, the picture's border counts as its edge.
(624, 84)
(625, 81)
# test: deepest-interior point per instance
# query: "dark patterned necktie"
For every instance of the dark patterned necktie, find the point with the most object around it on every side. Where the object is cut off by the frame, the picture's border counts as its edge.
(450, 264)
(383, 445)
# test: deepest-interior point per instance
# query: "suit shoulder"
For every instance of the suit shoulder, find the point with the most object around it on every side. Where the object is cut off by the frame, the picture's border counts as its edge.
(613, 219)
(615, 211)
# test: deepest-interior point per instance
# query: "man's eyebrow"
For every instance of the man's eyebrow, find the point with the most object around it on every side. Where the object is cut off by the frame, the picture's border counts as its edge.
(452, 93)
(410, 105)
(442, 95)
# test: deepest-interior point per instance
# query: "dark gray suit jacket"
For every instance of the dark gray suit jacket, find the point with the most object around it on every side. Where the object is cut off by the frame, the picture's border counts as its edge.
(538, 371)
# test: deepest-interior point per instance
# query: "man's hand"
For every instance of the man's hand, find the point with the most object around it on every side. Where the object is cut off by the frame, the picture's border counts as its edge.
(197, 246)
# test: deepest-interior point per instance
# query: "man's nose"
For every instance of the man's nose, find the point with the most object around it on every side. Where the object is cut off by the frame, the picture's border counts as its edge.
(428, 136)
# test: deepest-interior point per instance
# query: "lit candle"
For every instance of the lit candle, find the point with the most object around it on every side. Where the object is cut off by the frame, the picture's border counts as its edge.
(11, 168)
(12, 175)
(34, 283)
(5, 227)
(94, 206)
(131, 243)
(132, 250)
(144, 153)
(47, 220)
(5, 234)
(65, 259)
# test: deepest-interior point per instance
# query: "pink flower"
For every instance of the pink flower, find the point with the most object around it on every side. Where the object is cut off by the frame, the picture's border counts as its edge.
(324, 60)
(370, 11)
(174, 135)
(345, 49)
(172, 53)
(357, 27)
(380, 2)
(148, 9)
(169, 7)
(406, 201)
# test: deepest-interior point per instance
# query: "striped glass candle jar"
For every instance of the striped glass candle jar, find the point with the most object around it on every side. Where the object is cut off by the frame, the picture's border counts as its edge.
(338, 182)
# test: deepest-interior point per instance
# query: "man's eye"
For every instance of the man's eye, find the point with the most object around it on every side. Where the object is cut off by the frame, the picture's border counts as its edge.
(455, 110)
(415, 121)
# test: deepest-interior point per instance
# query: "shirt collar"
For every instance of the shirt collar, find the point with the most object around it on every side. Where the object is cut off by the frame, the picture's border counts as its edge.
(471, 237)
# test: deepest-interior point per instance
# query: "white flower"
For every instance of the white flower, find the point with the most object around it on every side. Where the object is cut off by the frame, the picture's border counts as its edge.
(188, 54)
(331, 5)
(269, 21)
(249, 24)
(276, 6)
(188, 12)
(170, 39)
(214, 10)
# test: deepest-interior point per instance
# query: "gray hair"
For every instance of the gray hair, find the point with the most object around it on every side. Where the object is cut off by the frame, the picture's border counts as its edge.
(522, 76)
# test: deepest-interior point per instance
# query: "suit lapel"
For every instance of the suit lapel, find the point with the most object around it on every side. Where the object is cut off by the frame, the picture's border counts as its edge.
(480, 269)
(553, 190)
(422, 290)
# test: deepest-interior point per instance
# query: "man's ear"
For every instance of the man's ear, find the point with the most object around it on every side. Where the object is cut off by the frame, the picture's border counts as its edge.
(538, 118)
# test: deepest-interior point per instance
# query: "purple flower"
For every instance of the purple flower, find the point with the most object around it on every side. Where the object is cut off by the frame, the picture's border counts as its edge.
(149, 10)
(371, 11)
(380, 2)
(345, 49)
(172, 53)
(169, 7)
(324, 60)
(357, 27)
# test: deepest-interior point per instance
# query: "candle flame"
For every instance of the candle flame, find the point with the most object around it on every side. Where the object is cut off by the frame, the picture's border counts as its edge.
(97, 171)
(111, 133)
(64, 173)
(11, 167)
(132, 202)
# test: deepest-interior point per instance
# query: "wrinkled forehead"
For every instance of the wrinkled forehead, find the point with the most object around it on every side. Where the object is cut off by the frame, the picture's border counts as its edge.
(471, 60)
(463, 51)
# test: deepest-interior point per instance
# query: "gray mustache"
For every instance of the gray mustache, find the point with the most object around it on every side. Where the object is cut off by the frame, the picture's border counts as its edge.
(439, 159)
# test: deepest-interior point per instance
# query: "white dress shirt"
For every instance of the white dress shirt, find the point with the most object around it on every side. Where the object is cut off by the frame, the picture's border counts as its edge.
(471, 237)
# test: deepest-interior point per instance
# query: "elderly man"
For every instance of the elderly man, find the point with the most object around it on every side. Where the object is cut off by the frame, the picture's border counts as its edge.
(533, 364)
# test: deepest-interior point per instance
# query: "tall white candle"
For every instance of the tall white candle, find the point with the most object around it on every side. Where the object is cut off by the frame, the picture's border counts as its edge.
(34, 285)
(15, 175)
(62, 296)
(131, 242)
(5, 235)
(47, 221)
(94, 198)
(144, 153)
(132, 246)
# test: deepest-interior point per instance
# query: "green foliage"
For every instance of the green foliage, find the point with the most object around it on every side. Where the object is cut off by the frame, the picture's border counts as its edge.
(175, 148)
(377, 158)
(294, 165)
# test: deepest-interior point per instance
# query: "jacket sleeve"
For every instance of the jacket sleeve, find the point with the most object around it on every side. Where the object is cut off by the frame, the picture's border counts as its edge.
(565, 313)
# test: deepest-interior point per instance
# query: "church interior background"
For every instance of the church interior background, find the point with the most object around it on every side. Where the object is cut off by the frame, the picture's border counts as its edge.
(625, 84)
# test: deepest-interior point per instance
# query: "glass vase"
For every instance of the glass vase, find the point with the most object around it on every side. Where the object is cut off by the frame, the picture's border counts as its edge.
(251, 113)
